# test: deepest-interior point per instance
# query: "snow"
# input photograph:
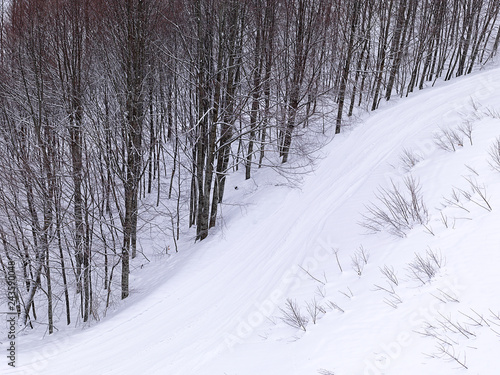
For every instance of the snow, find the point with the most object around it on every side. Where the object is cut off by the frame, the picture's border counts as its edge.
(214, 308)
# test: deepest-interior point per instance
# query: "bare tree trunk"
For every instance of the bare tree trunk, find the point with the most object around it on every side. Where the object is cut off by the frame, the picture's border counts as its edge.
(257, 71)
(398, 40)
(347, 64)
(385, 22)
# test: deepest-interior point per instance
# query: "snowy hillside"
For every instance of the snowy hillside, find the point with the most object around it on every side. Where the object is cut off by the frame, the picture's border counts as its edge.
(418, 301)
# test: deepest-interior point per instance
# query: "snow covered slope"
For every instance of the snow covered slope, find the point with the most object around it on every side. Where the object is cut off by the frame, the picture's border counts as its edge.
(217, 308)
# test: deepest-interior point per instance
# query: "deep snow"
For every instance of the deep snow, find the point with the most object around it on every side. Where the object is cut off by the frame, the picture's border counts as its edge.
(214, 308)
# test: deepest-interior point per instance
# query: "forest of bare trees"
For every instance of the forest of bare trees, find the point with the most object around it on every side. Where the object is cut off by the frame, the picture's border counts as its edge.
(121, 112)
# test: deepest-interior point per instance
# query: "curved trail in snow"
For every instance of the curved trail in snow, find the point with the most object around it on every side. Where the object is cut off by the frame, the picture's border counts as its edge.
(183, 325)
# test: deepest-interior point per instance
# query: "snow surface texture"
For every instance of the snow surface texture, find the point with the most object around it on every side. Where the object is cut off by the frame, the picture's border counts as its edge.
(217, 307)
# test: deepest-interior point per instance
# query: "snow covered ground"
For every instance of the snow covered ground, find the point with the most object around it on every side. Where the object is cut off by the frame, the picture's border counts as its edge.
(217, 306)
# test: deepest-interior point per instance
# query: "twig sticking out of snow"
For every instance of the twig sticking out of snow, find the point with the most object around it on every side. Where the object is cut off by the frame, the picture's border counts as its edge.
(292, 316)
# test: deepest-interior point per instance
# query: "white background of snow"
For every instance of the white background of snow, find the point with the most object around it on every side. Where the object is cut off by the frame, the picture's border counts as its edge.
(214, 307)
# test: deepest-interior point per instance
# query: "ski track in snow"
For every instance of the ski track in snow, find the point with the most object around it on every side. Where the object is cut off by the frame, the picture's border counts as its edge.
(183, 326)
